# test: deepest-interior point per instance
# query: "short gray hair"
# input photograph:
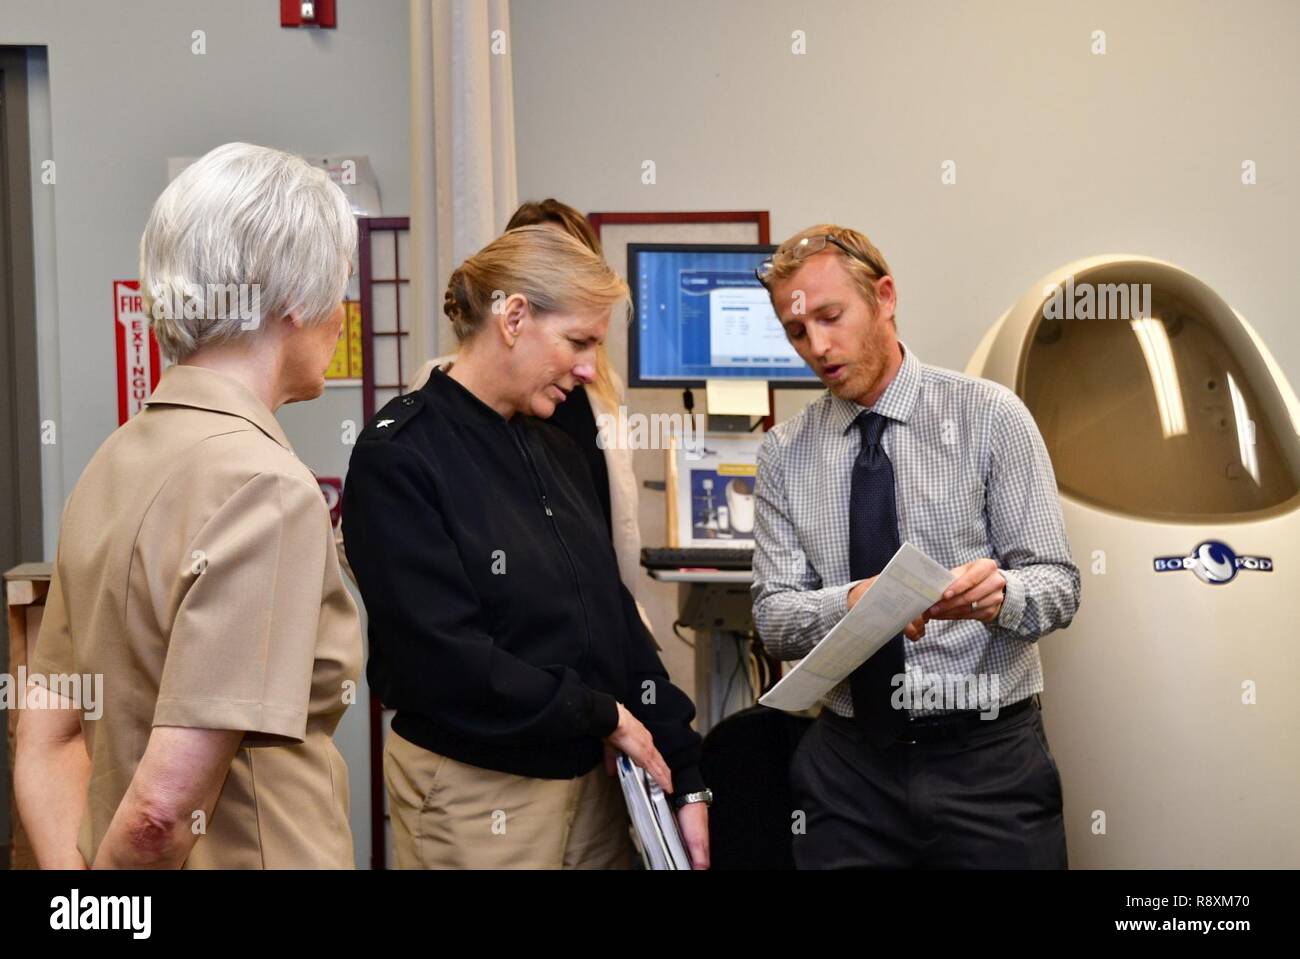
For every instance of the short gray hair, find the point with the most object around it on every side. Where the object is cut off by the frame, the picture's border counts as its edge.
(244, 217)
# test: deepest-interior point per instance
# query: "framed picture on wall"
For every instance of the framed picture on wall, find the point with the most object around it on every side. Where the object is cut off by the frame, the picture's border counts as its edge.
(690, 226)
(710, 489)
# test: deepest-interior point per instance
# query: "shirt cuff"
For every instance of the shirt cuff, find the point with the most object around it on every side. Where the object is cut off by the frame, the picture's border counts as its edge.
(263, 724)
(602, 714)
(688, 779)
(835, 606)
(1013, 601)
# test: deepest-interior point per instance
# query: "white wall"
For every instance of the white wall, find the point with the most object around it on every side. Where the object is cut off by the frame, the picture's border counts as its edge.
(1060, 153)
(119, 92)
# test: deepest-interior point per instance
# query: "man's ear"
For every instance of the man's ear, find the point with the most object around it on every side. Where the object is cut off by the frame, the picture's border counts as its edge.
(886, 295)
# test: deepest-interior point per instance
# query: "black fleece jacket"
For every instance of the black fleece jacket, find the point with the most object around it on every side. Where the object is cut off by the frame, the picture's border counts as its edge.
(499, 628)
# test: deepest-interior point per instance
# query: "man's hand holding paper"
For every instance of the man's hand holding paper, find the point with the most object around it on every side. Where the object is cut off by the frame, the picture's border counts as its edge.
(885, 606)
(977, 593)
(915, 629)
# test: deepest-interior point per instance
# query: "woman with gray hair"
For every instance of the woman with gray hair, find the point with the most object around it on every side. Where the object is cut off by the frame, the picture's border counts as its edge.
(196, 571)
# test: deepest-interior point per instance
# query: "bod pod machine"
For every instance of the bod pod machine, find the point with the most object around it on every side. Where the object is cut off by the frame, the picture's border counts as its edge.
(1172, 701)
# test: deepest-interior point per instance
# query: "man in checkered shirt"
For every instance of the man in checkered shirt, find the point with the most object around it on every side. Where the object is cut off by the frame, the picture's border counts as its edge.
(954, 769)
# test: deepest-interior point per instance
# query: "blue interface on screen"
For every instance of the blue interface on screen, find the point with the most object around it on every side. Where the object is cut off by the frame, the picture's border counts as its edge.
(702, 314)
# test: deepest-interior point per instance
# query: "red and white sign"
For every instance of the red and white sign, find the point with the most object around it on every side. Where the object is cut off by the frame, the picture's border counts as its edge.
(331, 487)
(138, 362)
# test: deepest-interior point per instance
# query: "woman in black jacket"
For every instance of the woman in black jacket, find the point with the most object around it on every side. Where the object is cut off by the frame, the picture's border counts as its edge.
(499, 628)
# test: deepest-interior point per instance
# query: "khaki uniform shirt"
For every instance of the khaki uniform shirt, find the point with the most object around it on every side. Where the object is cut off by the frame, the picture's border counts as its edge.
(196, 572)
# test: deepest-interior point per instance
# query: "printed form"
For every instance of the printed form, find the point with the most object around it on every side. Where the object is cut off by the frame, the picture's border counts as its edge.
(909, 584)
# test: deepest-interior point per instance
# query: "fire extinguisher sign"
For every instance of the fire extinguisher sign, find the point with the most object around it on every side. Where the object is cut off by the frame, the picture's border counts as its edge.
(138, 361)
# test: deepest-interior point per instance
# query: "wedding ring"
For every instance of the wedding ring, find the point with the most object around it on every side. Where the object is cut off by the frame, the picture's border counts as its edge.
(975, 604)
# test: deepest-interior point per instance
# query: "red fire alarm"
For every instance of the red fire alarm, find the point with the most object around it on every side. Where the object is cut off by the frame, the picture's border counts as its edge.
(307, 13)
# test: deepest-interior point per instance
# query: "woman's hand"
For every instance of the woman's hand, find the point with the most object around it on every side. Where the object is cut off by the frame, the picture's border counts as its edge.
(632, 738)
(693, 821)
(51, 773)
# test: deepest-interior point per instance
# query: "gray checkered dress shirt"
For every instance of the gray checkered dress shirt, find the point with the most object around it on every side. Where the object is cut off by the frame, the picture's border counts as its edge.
(972, 480)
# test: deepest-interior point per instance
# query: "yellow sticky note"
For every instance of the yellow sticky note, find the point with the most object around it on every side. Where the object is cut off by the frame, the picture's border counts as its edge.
(737, 397)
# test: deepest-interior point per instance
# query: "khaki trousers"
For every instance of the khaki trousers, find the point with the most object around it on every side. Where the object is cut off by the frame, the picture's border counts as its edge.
(451, 815)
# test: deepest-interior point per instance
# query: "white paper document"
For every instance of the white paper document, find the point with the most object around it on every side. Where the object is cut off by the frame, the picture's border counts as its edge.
(909, 584)
(654, 828)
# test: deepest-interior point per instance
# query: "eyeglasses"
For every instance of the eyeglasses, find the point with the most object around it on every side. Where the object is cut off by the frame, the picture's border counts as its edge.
(809, 246)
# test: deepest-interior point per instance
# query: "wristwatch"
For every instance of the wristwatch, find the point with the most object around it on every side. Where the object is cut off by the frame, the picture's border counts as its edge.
(704, 795)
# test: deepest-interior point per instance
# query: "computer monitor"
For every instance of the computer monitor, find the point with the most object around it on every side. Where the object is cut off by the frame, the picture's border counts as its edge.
(701, 314)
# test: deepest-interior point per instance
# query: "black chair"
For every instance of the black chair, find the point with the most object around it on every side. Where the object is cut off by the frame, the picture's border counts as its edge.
(746, 762)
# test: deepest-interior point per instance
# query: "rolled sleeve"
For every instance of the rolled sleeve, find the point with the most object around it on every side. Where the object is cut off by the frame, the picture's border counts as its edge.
(242, 649)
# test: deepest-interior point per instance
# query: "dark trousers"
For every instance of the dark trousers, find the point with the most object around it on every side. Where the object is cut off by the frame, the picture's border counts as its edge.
(989, 800)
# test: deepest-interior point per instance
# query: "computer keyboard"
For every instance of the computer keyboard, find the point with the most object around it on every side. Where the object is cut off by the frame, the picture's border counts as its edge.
(698, 557)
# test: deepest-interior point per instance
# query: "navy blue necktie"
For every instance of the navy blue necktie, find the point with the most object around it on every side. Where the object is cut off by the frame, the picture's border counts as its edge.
(873, 540)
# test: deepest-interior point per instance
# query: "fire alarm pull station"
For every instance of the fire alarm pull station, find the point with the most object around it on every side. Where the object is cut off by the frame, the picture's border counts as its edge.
(308, 13)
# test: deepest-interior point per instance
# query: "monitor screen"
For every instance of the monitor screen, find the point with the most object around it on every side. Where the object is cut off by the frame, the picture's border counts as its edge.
(701, 314)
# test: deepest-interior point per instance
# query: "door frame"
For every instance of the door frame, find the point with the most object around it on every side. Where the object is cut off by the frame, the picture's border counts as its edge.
(21, 527)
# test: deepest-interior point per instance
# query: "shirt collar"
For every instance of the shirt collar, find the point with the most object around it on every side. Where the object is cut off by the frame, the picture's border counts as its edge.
(204, 389)
(896, 403)
(441, 380)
